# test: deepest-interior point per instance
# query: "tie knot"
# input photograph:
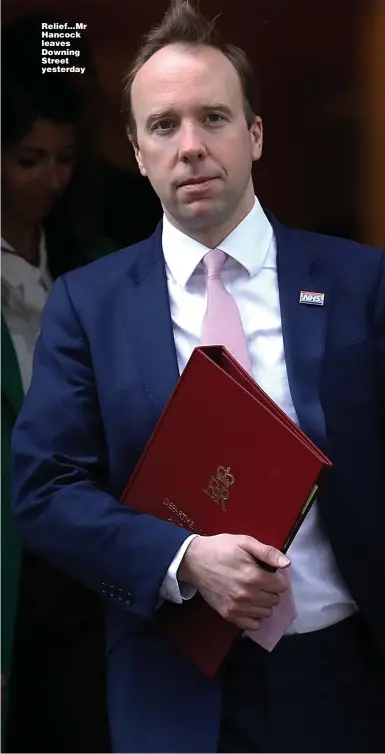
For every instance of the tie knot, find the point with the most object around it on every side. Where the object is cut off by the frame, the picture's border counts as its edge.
(213, 262)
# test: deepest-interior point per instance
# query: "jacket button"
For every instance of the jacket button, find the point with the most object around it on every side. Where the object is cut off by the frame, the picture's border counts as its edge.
(119, 594)
(111, 591)
(128, 598)
(103, 588)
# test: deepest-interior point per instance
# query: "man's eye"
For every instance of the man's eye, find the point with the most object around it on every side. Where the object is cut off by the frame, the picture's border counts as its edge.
(163, 125)
(214, 117)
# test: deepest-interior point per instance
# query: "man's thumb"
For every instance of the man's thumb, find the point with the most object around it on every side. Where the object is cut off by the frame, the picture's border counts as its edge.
(266, 553)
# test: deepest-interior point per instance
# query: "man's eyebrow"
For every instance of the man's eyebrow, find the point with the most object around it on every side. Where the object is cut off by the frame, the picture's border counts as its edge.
(172, 113)
(218, 106)
(158, 115)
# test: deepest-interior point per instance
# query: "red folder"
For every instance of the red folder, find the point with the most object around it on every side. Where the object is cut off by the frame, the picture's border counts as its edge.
(223, 458)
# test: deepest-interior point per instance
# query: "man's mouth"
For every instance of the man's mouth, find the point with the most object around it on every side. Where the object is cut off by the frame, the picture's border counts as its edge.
(198, 181)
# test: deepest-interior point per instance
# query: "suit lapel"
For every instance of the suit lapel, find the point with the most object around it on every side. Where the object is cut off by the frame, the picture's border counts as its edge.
(303, 325)
(11, 385)
(147, 314)
(149, 320)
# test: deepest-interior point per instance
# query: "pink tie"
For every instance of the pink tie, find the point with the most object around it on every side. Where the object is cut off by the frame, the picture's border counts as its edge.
(222, 325)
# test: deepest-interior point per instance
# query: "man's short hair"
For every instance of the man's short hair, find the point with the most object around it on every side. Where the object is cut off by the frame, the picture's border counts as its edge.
(183, 24)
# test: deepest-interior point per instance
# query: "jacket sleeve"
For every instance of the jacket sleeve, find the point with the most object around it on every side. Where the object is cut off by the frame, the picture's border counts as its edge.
(61, 502)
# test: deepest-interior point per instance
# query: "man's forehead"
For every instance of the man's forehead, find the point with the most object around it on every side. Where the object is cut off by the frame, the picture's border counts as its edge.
(180, 69)
(183, 54)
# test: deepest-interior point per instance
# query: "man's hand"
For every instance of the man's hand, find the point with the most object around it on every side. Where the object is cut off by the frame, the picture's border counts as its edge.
(226, 571)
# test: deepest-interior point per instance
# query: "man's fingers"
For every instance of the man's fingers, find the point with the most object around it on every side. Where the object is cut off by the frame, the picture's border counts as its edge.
(257, 613)
(268, 599)
(251, 584)
(252, 612)
(276, 583)
(248, 624)
(260, 599)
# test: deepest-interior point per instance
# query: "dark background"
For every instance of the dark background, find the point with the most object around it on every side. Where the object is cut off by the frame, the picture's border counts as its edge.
(322, 71)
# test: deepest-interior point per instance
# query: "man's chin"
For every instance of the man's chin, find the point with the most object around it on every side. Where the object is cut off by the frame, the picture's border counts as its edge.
(200, 212)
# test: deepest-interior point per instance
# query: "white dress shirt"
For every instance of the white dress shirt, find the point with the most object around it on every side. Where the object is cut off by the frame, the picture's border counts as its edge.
(24, 291)
(250, 275)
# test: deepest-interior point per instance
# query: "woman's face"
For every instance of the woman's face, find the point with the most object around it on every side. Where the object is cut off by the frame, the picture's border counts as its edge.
(37, 169)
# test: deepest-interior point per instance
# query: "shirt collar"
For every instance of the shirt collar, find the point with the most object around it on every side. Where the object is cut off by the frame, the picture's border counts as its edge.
(16, 268)
(248, 244)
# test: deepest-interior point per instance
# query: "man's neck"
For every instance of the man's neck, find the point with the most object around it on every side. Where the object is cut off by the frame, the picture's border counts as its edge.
(213, 236)
(23, 237)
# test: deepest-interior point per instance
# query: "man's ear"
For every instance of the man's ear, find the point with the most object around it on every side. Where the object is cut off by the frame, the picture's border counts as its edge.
(138, 155)
(256, 133)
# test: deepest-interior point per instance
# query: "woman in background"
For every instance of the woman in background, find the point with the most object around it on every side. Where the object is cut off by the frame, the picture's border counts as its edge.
(52, 628)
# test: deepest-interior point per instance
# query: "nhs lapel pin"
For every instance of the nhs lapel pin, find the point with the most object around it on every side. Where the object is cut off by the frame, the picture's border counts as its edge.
(310, 297)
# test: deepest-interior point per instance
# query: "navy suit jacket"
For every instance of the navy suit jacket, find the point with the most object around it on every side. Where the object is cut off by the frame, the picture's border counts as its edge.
(105, 365)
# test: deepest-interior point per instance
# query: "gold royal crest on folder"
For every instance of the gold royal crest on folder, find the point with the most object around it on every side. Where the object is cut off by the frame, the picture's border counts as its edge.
(218, 486)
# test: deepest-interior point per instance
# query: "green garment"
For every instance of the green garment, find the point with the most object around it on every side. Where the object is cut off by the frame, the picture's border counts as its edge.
(11, 401)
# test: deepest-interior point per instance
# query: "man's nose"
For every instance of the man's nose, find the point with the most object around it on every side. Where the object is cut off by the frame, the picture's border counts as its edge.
(191, 144)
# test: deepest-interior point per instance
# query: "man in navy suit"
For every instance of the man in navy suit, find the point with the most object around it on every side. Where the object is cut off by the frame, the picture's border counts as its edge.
(115, 337)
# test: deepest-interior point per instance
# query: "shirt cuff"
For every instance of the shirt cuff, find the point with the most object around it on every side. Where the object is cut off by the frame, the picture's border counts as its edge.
(172, 589)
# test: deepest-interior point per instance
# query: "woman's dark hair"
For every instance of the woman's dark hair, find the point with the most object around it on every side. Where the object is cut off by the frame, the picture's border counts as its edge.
(25, 102)
(28, 95)
(184, 24)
